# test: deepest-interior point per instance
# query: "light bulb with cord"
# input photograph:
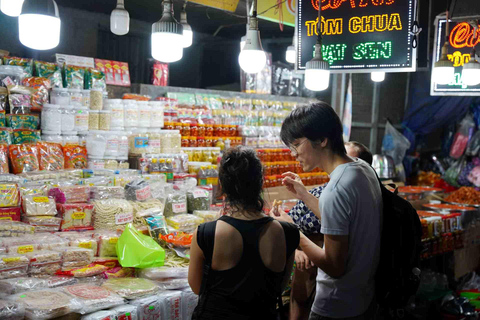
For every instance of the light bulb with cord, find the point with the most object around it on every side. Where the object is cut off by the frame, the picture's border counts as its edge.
(252, 58)
(290, 54)
(187, 29)
(317, 70)
(443, 71)
(471, 70)
(11, 8)
(120, 19)
(39, 24)
(167, 36)
(377, 76)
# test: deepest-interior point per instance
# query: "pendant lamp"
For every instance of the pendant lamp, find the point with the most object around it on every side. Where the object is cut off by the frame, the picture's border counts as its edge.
(39, 24)
(120, 19)
(252, 58)
(167, 36)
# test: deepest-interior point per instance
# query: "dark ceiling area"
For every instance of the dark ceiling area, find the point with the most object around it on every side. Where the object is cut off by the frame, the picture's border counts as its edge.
(202, 19)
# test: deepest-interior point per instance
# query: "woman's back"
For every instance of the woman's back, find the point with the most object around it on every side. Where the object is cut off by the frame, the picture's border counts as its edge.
(248, 259)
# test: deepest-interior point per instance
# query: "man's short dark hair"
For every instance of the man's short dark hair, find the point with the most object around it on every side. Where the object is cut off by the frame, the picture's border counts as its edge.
(315, 122)
(362, 151)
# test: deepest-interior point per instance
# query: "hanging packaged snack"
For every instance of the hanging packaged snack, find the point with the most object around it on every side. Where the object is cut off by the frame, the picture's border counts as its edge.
(76, 216)
(70, 194)
(5, 135)
(44, 223)
(46, 304)
(25, 63)
(132, 288)
(13, 265)
(14, 228)
(51, 71)
(50, 156)
(112, 214)
(73, 77)
(23, 121)
(107, 243)
(40, 88)
(44, 262)
(95, 79)
(9, 195)
(9, 214)
(73, 257)
(75, 156)
(20, 99)
(101, 315)
(34, 205)
(119, 272)
(20, 136)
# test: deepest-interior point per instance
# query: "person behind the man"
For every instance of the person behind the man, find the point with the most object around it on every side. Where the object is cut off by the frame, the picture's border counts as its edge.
(303, 282)
(350, 211)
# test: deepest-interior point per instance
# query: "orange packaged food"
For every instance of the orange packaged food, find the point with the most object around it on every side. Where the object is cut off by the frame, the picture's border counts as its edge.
(75, 156)
(40, 94)
(4, 158)
(50, 156)
(24, 157)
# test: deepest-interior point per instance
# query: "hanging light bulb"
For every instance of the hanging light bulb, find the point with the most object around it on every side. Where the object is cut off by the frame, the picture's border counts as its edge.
(11, 8)
(377, 76)
(187, 30)
(290, 54)
(252, 58)
(317, 73)
(120, 19)
(471, 72)
(167, 36)
(443, 70)
(39, 24)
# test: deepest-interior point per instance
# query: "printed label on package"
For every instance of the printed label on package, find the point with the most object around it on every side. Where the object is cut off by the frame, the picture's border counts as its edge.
(179, 207)
(123, 218)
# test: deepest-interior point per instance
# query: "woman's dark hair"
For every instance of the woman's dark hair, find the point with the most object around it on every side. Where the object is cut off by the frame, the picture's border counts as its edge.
(241, 179)
(315, 122)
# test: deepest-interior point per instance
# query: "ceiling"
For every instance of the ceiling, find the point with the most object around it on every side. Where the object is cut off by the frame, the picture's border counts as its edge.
(202, 19)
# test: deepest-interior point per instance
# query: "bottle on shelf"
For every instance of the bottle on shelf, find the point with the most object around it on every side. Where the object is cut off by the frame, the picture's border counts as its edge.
(202, 176)
(153, 167)
(162, 168)
(169, 170)
(213, 180)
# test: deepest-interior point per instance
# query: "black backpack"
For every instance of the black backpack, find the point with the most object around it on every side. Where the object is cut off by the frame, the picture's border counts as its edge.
(397, 277)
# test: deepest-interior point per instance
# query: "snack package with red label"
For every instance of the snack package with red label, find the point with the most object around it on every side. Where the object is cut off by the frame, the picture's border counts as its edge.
(93, 298)
(76, 216)
(119, 272)
(160, 74)
(4, 159)
(75, 156)
(40, 93)
(35, 205)
(70, 194)
(10, 214)
(110, 262)
(24, 157)
(126, 312)
(178, 239)
(9, 195)
(50, 156)
(87, 271)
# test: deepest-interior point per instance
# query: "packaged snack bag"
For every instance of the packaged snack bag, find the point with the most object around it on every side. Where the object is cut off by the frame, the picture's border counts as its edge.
(23, 121)
(40, 94)
(51, 71)
(24, 157)
(20, 136)
(75, 156)
(50, 156)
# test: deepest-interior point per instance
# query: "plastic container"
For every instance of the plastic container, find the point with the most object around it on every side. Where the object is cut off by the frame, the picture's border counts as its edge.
(96, 163)
(104, 120)
(52, 136)
(96, 99)
(138, 142)
(112, 146)
(51, 119)
(157, 116)
(76, 97)
(144, 114)
(81, 118)
(123, 144)
(170, 141)
(86, 98)
(154, 141)
(96, 144)
(70, 138)
(117, 112)
(93, 120)
(111, 163)
(60, 96)
(131, 114)
(68, 118)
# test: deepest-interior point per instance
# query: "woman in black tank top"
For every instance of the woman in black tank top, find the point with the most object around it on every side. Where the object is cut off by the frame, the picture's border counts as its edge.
(240, 264)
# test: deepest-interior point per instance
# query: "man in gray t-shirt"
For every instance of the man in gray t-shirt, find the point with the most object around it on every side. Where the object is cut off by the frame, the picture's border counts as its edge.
(350, 211)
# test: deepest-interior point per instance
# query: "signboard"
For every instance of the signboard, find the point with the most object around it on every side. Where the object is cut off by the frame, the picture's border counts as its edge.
(358, 35)
(227, 5)
(461, 42)
(287, 13)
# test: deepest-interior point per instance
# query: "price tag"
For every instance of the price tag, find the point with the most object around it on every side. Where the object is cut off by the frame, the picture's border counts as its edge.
(123, 218)
(8, 81)
(25, 249)
(179, 207)
(85, 245)
(7, 260)
(78, 215)
(200, 194)
(40, 199)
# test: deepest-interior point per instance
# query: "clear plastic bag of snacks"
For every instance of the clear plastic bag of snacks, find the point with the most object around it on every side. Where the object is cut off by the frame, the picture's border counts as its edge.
(107, 242)
(9, 195)
(83, 272)
(112, 214)
(51, 242)
(34, 205)
(20, 245)
(10, 310)
(33, 188)
(155, 221)
(15, 229)
(70, 194)
(161, 273)
(198, 198)
(126, 312)
(119, 272)
(103, 193)
(184, 222)
(46, 304)
(148, 308)
(76, 216)
(17, 285)
(13, 266)
(172, 303)
(207, 215)
(75, 257)
(189, 303)
(101, 315)
(131, 288)
(44, 262)
(138, 190)
(85, 242)
(43, 223)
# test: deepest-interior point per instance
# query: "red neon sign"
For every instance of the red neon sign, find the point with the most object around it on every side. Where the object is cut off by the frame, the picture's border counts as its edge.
(335, 4)
(461, 36)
